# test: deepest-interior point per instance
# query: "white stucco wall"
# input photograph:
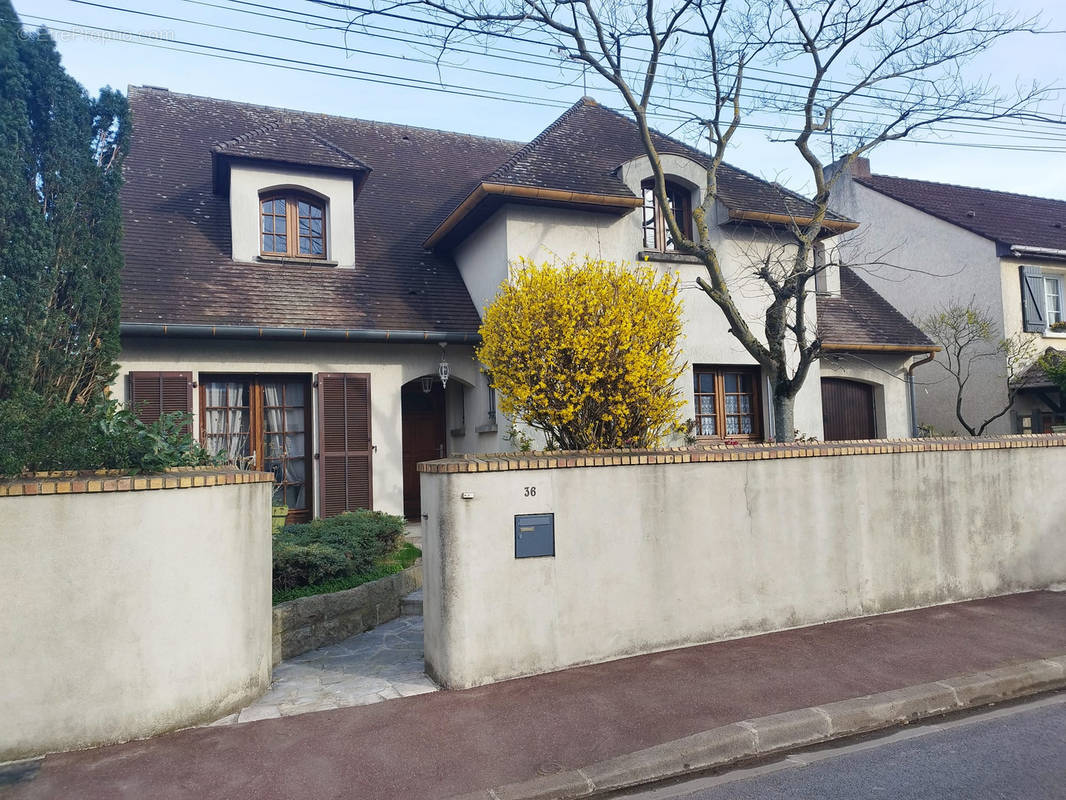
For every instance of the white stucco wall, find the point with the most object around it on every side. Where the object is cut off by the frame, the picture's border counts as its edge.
(131, 613)
(389, 365)
(248, 180)
(664, 555)
(920, 264)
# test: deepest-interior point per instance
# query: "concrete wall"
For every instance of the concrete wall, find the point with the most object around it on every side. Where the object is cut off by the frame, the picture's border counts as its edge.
(390, 366)
(131, 613)
(662, 555)
(919, 264)
(247, 181)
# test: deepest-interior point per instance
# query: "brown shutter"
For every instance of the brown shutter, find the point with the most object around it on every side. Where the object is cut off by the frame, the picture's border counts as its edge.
(344, 442)
(153, 394)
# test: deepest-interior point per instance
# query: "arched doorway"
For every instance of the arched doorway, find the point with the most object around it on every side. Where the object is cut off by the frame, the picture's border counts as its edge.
(424, 436)
(848, 410)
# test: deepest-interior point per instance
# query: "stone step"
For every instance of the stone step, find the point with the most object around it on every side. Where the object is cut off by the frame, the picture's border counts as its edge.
(411, 605)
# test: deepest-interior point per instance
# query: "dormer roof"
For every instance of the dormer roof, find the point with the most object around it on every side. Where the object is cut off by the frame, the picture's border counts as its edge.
(579, 155)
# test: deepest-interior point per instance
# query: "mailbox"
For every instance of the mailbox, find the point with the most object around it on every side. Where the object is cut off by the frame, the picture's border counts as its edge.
(534, 535)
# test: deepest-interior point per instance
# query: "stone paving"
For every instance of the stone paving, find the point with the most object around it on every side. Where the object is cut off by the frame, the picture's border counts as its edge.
(381, 664)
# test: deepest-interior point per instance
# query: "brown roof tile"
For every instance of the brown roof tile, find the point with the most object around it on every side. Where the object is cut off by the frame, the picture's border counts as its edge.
(861, 316)
(177, 232)
(292, 142)
(1013, 219)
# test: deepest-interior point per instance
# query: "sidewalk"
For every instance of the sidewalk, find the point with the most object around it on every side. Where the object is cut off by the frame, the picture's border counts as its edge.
(447, 743)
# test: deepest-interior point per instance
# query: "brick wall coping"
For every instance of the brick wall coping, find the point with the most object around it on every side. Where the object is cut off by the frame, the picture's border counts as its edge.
(558, 459)
(111, 480)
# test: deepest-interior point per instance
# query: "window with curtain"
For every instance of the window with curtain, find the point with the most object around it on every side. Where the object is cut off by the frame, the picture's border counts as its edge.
(262, 422)
(292, 224)
(727, 402)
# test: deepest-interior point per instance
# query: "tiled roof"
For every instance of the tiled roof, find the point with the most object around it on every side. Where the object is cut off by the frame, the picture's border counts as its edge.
(582, 149)
(1034, 376)
(861, 316)
(177, 230)
(289, 141)
(1013, 219)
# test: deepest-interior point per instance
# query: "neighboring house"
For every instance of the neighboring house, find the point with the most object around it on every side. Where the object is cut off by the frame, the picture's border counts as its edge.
(927, 244)
(290, 279)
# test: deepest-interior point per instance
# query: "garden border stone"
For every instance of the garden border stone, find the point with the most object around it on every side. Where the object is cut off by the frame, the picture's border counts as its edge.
(308, 623)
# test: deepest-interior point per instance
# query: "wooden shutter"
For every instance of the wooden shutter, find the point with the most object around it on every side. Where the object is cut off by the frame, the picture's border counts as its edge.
(153, 394)
(345, 480)
(1034, 303)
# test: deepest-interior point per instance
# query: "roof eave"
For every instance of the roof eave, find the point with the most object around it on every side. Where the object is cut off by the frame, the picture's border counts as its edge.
(178, 330)
(864, 347)
(485, 190)
(769, 218)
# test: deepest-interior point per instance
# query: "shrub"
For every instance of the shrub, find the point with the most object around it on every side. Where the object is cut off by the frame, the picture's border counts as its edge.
(40, 434)
(587, 353)
(326, 549)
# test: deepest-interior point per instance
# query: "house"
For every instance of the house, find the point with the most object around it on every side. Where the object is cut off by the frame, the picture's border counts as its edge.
(928, 244)
(309, 286)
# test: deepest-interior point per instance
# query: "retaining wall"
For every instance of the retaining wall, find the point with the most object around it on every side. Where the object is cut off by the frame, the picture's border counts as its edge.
(133, 605)
(662, 549)
(309, 622)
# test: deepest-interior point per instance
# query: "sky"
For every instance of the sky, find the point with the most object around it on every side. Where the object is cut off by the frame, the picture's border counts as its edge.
(528, 95)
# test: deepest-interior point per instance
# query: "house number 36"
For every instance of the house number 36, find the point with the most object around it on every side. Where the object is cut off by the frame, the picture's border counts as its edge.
(531, 491)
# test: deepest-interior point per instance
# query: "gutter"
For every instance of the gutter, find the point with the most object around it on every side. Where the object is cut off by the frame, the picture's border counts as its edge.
(160, 329)
(484, 190)
(879, 348)
(1048, 252)
(835, 225)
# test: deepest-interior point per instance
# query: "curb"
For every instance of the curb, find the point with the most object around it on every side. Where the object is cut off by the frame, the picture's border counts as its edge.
(765, 736)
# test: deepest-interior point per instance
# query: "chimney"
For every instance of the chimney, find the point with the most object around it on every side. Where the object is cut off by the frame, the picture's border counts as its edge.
(860, 168)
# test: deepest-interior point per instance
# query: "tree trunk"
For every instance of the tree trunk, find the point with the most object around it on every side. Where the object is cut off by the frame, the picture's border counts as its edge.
(784, 421)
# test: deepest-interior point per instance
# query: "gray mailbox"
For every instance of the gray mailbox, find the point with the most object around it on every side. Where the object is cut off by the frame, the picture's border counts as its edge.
(534, 535)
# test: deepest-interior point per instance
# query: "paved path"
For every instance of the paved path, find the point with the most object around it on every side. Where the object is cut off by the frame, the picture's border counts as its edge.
(446, 743)
(381, 664)
(1013, 753)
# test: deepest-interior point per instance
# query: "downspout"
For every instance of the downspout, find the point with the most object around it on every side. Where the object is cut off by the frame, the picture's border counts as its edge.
(913, 402)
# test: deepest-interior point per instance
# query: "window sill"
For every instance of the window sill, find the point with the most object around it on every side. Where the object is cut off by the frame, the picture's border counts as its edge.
(303, 262)
(488, 427)
(1054, 334)
(667, 256)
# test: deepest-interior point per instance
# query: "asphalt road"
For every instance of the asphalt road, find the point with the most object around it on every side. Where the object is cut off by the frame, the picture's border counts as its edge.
(1011, 753)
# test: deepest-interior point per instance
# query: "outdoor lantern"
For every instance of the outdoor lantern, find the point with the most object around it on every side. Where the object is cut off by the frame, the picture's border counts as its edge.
(442, 368)
(427, 383)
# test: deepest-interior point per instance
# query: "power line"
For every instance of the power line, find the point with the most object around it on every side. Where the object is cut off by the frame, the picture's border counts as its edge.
(765, 95)
(281, 62)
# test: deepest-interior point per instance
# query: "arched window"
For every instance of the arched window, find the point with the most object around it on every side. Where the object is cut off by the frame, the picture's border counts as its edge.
(292, 224)
(656, 234)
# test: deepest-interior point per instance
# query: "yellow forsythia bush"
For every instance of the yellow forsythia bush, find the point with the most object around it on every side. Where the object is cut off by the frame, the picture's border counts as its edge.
(587, 352)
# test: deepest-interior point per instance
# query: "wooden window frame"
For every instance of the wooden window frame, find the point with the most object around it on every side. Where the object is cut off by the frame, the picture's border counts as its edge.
(292, 200)
(719, 371)
(256, 432)
(681, 201)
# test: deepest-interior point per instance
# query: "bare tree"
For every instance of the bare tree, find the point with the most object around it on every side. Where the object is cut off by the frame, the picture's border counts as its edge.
(902, 60)
(968, 337)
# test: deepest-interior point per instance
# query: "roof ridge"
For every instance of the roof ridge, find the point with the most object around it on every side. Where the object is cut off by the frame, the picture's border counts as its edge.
(863, 180)
(249, 135)
(531, 145)
(303, 113)
(337, 148)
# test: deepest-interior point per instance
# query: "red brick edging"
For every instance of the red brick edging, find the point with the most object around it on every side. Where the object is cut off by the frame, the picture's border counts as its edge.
(73, 482)
(558, 459)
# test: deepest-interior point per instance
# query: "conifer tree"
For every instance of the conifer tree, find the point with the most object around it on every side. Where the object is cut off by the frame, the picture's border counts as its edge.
(60, 222)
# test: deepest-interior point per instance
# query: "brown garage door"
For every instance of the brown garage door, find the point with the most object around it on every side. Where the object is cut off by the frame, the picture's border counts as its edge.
(847, 410)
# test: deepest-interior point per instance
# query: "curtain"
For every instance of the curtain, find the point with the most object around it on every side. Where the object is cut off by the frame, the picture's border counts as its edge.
(227, 419)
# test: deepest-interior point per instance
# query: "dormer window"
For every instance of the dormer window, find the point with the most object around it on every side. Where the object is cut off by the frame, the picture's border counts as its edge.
(292, 225)
(656, 234)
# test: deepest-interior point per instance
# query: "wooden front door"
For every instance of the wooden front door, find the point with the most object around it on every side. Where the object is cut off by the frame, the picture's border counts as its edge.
(847, 410)
(424, 438)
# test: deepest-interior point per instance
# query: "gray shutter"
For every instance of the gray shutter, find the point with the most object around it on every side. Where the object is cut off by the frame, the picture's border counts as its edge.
(1034, 307)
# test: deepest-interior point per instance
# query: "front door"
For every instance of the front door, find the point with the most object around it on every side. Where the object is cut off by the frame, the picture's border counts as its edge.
(847, 410)
(424, 438)
(262, 422)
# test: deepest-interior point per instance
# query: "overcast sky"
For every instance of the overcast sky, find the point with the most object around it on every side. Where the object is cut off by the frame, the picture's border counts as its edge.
(97, 58)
